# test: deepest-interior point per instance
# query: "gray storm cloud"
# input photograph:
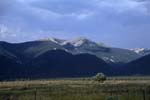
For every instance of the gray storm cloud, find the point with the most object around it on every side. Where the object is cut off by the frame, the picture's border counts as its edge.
(101, 20)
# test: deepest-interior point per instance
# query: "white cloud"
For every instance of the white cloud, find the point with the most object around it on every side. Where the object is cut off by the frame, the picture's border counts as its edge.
(85, 15)
(5, 32)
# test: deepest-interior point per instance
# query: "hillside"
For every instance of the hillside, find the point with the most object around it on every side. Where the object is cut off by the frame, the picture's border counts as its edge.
(140, 66)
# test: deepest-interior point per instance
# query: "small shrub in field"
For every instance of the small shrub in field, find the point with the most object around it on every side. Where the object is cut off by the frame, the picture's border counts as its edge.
(100, 77)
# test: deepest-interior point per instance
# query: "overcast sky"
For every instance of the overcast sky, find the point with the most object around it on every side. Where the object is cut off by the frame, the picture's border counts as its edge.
(118, 23)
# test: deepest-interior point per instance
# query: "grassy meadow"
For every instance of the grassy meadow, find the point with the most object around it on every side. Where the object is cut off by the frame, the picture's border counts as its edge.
(114, 88)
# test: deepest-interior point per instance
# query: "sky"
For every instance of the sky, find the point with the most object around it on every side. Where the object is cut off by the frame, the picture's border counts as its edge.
(117, 23)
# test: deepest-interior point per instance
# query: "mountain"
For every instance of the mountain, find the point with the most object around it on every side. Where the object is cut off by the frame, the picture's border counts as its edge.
(61, 63)
(65, 58)
(140, 66)
(141, 51)
(29, 50)
(10, 67)
(52, 63)
(108, 54)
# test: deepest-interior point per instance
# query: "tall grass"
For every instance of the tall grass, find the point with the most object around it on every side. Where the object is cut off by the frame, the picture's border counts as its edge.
(76, 89)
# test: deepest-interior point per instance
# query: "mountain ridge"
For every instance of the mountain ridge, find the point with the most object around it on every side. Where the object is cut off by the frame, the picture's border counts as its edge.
(75, 58)
(84, 45)
(78, 46)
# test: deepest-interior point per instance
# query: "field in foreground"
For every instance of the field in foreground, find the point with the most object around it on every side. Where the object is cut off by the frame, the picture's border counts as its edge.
(119, 88)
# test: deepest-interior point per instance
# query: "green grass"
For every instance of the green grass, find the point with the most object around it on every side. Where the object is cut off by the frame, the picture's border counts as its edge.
(76, 89)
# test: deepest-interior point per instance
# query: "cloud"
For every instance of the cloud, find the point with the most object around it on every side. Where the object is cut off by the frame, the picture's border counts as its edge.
(105, 20)
(6, 33)
(120, 6)
(5, 5)
(68, 6)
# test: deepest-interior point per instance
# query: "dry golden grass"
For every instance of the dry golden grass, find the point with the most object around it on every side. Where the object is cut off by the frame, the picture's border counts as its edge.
(49, 82)
(76, 89)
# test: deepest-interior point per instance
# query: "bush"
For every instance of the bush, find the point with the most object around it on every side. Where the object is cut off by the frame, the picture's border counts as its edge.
(100, 77)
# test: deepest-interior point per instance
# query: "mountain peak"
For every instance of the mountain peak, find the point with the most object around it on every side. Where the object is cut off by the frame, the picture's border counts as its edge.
(79, 41)
(54, 40)
(76, 42)
(141, 51)
(138, 50)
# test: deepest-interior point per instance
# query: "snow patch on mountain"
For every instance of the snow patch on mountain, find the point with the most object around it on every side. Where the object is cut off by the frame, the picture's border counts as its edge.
(141, 51)
(138, 50)
(110, 59)
(58, 41)
(76, 42)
